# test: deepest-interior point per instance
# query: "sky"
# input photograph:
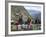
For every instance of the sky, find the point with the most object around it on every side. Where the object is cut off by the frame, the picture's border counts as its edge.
(37, 8)
(33, 9)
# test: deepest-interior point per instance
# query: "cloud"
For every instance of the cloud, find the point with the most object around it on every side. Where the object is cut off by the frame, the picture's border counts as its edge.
(33, 8)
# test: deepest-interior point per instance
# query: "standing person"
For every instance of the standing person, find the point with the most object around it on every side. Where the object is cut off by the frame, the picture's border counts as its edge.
(17, 23)
(20, 20)
(29, 23)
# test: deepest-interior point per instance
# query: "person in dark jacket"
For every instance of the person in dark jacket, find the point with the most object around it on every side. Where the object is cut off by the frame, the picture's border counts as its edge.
(20, 20)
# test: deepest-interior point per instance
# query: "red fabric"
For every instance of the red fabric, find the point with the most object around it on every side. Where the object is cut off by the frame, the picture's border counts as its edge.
(17, 23)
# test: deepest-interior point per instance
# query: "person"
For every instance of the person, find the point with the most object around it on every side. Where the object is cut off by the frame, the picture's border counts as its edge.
(20, 20)
(29, 23)
(17, 23)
